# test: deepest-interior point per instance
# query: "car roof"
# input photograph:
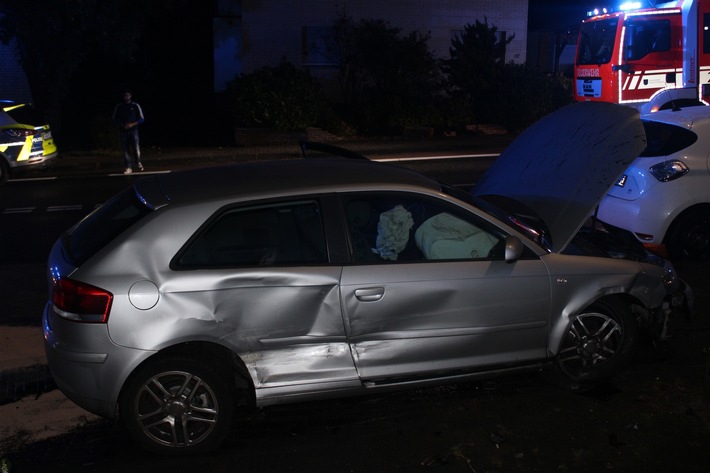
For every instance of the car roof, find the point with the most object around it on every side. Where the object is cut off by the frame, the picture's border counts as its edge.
(685, 117)
(263, 179)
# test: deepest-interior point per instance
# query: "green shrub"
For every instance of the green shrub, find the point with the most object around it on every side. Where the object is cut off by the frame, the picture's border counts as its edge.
(280, 98)
(103, 135)
(525, 94)
(388, 79)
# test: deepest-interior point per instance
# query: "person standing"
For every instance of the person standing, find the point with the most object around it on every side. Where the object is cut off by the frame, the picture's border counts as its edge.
(127, 116)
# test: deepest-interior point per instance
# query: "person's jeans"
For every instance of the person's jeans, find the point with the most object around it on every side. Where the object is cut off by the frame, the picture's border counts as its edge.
(131, 147)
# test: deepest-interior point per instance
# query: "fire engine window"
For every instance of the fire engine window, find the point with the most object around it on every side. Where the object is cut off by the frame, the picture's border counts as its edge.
(644, 37)
(706, 33)
(596, 41)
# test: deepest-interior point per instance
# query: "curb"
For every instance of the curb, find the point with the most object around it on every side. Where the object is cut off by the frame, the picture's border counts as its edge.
(21, 382)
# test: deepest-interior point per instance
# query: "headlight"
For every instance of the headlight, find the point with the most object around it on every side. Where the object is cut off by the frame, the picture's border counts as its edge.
(668, 170)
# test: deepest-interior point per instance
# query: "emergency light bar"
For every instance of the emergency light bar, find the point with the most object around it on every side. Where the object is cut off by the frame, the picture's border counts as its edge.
(597, 11)
(630, 6)
(626, 6)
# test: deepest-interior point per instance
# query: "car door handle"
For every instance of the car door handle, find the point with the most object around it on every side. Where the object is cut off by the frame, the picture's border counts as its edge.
(370, 294)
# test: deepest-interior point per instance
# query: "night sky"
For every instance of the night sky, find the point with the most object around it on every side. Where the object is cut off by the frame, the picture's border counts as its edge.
(559, 14)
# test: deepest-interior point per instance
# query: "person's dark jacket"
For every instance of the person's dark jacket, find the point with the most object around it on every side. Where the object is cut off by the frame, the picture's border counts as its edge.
(128, 115)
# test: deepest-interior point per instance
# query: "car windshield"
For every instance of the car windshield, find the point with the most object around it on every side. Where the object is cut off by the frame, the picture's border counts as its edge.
(596, 41)
(509, 211)
(101, 226)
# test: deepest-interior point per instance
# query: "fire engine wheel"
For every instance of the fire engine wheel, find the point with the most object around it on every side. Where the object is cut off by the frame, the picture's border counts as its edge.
(690, 236)
(596, 346)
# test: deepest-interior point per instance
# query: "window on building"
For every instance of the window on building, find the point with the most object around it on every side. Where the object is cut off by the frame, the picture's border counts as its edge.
(319, 47)
(502, 43)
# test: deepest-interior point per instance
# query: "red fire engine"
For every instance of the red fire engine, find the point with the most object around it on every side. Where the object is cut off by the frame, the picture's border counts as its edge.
(652, 58)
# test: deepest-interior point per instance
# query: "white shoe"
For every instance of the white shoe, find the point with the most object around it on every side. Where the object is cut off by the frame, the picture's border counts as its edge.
(140, 166)
(128, 171)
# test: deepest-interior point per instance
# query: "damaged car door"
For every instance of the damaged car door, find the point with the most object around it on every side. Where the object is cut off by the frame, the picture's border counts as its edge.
(430, 294)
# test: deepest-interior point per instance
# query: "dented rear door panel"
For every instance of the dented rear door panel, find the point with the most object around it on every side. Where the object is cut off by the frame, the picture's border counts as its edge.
(426, 319)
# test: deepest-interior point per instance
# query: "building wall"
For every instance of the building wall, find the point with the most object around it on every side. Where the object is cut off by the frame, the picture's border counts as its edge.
(271, 29)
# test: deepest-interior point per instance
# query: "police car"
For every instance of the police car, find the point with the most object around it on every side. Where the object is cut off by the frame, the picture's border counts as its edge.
(25, 139)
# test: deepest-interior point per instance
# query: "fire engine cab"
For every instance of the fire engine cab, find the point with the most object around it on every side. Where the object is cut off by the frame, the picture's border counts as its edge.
(650, 58)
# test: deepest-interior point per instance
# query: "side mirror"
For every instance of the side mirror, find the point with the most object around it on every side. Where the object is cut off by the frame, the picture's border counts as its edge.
(513, 249)
(622, 67)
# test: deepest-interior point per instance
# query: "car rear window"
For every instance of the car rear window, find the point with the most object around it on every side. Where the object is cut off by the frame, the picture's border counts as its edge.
(27, 115)
(104, 224)
(664, 139)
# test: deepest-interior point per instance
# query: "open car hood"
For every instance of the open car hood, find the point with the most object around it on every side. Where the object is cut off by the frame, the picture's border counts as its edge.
(564, 164)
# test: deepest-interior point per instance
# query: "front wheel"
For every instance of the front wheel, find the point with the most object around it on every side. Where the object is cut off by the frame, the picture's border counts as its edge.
(178, 405)
(596, 346)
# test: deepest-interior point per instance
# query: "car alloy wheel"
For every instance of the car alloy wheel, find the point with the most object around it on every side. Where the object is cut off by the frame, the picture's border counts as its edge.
(177, 405)
(597, 343)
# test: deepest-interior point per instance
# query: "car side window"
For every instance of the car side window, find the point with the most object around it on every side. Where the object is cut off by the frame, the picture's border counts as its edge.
(388, 228)
(265, 235)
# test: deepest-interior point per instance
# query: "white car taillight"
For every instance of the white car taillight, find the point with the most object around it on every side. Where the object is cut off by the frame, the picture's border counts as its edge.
(80, 302)
(668, 170)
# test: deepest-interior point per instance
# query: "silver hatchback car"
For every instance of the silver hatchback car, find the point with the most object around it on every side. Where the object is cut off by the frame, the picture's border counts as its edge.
(192, 293)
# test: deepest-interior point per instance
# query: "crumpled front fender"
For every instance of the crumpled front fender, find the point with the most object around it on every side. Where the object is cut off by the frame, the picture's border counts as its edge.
(575, 286)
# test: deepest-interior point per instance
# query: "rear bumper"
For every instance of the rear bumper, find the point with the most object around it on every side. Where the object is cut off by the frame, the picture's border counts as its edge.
(631, 215)
(34, 162)
(86, 366)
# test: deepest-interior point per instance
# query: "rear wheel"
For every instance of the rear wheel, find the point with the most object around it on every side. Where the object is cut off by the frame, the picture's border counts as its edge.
(690, 236)
(178, 405)
(596, 346)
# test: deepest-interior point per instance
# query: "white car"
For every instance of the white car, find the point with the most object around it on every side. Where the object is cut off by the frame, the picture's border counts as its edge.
(663, 197)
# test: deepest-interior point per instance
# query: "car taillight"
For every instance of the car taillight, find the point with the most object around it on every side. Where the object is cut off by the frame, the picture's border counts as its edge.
(19, 132)
(668, 170)
(80, 302)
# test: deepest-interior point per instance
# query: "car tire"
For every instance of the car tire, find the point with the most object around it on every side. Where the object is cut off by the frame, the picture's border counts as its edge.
(690, 236)
(178, 405)
(596, 346)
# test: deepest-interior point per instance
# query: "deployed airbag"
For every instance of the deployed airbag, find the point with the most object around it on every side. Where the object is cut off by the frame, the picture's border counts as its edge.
(393, 232)
(445, 236)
